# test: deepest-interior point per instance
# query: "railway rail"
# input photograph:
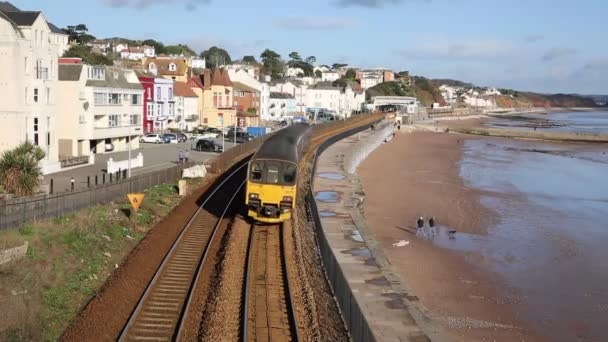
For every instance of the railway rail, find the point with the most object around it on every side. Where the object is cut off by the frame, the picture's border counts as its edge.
(267, 310)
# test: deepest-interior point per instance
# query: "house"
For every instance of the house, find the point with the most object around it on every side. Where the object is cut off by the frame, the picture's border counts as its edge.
(252, 69)
(372, 77)
(186, 102)
(246, 98)
(29, 49)
(214, 90)
(294, 72)
(133, 53)
(197, 63)
(100, 109)
(163, 116)
(294, 88)
(149, 51)
(244, 77)
(329, 76)
(170, 68)
(148, 108)
(103, 46)
(344, 101)
(281, 105)
(321, 68)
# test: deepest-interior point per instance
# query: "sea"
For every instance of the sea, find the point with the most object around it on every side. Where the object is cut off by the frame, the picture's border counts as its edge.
(549, 243)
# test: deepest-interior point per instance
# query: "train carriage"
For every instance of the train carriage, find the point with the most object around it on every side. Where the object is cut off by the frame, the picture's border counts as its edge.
(273, 173)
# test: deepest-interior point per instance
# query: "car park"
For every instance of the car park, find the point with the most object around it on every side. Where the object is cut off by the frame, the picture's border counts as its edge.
(181, 137)
(241, 137)
(152, 138)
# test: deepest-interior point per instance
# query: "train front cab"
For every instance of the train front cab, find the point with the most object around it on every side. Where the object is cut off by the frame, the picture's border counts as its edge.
(271, 190)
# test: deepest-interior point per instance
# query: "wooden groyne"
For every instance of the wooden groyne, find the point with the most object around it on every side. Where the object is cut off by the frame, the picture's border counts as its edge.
(536, 135)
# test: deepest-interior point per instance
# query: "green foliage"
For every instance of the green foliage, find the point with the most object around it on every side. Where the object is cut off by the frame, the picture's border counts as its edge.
(318, 74)
(250, 60)
(294, 57)
(215, 57)
(351, 74)
(273, 63)
(84, 52)
(78, 33)
(179, 49)
(389, 89)
(311, 60)
(27, 230)
(252, 110)
(19, 170)
(338, 65)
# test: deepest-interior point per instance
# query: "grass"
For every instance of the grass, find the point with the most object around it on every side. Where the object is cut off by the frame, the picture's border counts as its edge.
(68, 259)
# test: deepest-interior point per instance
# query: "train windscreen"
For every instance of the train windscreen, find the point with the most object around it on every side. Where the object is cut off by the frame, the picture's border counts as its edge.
(273, 172)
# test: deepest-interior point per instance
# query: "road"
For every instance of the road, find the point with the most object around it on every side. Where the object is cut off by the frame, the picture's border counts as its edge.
(156, 157)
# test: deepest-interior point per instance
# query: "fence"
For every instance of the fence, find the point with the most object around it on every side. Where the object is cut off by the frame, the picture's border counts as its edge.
(17, 211)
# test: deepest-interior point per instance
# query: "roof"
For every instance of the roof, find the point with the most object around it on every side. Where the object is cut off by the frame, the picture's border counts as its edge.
(22, 18)
(282, 145)
(182, 89)
(111, 82)
(325, 86)
(162, 65)
(243, 87)
(219, 77)
(70, 72)
(56, 29)
(6, 6)
(277, 95)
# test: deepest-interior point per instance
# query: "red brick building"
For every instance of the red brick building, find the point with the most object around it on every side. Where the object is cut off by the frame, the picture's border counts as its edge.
(147, 82)
(245, 98)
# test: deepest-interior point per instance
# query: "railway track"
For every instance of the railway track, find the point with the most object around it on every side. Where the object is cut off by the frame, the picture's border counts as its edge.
(160, 310)
(169, 308)
(268, 313)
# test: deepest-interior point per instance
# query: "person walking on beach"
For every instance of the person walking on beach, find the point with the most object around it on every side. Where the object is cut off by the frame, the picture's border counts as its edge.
(180, 157)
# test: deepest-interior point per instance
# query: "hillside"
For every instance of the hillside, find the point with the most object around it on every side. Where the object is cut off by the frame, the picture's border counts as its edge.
(512, 98)
(427, 91)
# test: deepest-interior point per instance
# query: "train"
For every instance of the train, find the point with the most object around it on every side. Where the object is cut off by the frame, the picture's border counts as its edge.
(273, 173)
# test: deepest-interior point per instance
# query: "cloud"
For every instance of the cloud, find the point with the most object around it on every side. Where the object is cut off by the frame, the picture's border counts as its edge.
(190, 5)
(558, 52)
(368, 3)
(314, 23)
(533, 38)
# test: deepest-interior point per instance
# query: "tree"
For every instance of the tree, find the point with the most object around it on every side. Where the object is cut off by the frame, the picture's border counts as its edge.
(311, 60)
(351, 74)
(180, 49)
(338, 65)
(295, 58)
(78, 33)
(19, 170)
(318, 74)
(272, 63)
(215, 57)
(84, 52)
(250, 60)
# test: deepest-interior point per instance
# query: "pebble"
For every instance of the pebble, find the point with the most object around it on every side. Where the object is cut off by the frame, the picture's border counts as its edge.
(107, 254)
(17, 293)
(107, 238)
(129, 237)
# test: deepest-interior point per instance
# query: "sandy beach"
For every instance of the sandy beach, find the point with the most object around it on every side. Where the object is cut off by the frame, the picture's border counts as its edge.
(418, 172)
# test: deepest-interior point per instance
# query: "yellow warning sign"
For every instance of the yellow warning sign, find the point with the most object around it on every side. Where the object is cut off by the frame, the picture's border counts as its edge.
(136, 200)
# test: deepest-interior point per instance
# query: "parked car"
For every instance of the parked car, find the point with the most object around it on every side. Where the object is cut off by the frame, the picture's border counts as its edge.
(241, 137)
(181, 137)
(170, 138)
(152, 138)
(204, 145)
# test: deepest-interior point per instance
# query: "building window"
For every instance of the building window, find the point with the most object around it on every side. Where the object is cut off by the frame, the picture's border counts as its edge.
(170, 93)
(171, 109)
(113, 120)
(172, 67)
(150, 109)
(126, 98)
(135, 119)
(227, 101)
(214, 99)
(158, 109)
(35, 95)
(158, 93)
(114, 99)
(36, 131)
(136, 99)
(97, 73)
(48, 95)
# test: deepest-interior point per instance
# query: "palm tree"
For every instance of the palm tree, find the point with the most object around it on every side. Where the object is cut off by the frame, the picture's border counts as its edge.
(19, 170)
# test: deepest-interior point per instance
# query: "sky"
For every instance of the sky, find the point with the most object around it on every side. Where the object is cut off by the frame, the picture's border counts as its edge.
(547, 46)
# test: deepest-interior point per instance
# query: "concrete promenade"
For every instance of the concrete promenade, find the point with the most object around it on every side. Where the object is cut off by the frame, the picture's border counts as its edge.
(392, 312)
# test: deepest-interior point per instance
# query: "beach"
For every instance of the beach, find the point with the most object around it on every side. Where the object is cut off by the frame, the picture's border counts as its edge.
(513, 267)
(422, 179)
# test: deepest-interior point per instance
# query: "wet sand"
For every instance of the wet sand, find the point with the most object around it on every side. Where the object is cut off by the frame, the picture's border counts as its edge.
(416, 175)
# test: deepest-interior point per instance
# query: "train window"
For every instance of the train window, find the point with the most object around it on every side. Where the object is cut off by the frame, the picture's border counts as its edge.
(289, 174)
(272, 174)
(256, 171)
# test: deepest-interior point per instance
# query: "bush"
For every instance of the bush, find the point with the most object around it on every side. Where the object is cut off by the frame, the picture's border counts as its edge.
(19, 170)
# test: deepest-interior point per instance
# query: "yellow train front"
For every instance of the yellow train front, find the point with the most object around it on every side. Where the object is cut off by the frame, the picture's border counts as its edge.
(273, 174)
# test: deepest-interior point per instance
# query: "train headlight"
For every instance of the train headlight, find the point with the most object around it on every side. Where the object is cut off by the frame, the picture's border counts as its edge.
(288, 199)
(253, 196)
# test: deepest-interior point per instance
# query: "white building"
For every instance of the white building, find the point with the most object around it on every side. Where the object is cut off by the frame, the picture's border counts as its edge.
(282, 105)
(295, 89)
(149, 51)
(100, 109)
(294, 72)
(321, 68)
(252, 70)
(186, 106)
(329, 76)
(342, 100)
(491, 91)
(244, 77)
(164, 105)
(133, 53)
(29, 49)
(197, 63)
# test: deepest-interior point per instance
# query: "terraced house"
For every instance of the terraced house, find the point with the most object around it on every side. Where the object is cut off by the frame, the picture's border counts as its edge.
(100, 109)
(175, 69)
(214, 90)
(29, 48)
